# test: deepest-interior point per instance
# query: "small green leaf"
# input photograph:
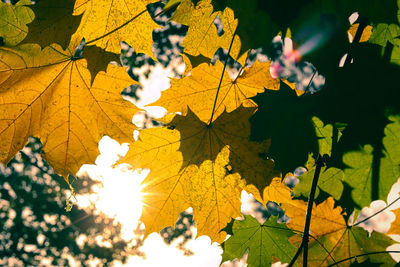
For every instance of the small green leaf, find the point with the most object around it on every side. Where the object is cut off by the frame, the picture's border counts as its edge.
(325, 136)
(263, 241)
(330, 181)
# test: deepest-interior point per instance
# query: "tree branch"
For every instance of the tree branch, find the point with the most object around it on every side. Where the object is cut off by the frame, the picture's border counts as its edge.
(304, 243)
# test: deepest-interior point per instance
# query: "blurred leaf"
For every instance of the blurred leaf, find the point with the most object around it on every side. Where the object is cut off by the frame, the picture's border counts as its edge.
(384, 33)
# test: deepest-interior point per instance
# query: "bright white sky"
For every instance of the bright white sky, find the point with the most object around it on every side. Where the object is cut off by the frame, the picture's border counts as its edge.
(121, 198)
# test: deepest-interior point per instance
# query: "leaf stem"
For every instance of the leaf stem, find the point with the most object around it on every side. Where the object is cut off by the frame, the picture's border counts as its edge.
(116, 29)
(222, 76)
(376, 213)
(129, 21)
(304, 243)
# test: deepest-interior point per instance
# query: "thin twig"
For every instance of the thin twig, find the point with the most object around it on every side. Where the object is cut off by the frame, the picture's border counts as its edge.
(304, 243)
(129, 21)
(376, 213)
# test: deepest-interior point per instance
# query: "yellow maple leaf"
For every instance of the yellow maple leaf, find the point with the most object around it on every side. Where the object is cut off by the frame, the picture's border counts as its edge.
(48, 94)
(201, 166)
(202, 37)
(395, 227)
(276, 191)
(198, 91)
(106, 23)
(332, 238)
(366, 34)
(322, 216)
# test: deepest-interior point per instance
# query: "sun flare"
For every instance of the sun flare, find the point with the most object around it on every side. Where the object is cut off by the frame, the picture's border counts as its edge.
(119, 194)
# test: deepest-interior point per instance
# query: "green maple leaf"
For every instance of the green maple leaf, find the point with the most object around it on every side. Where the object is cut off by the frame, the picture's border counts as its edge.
(384, 33)
(330, 181)
(333, 240)
(371, 178)
(264, 242)
(13, 20)
(53, 23)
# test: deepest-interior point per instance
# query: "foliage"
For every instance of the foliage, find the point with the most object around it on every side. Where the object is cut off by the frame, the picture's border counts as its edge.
(227, 129)
(35, 226)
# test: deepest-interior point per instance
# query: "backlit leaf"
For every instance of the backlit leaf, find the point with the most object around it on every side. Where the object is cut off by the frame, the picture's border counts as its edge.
(198, 91)
(333, 240)
(48, 94)
(193, 164)
(330, 181)
(372, 179)
(325, 136)
(384, 33)
(106, 23)
(366, 34)
(202, 37)
(265, 242)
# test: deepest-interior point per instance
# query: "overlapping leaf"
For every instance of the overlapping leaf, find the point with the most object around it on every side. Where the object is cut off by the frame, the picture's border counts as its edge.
(333, 240)
(53, 23)
(106, 23)
(370, 177)
(331, 178)
(384, 33)
(198, 91)
(199, 165)
(330, 181)
(265, 242)
(48, 94)
(13, 20)
(202, 37)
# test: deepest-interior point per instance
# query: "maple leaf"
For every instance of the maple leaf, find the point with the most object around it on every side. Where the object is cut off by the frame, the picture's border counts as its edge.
(198, 91)
(106, 23)
(13, 20)
(202, 37)
(199, 165)
(366, 34)
(264, 242)
(362, 171)
(47, 94)
(255, 27)
(384, 33)
(53, 23)
(325, 136)
(330, 181)
(334, 240)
